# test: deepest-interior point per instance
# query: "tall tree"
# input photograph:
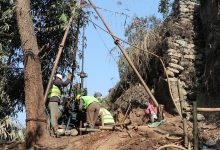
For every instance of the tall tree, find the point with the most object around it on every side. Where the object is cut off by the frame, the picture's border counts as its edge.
(36, 119)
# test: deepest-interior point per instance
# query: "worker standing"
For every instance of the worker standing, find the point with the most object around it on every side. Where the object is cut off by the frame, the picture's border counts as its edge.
(54, 98)
(92, 107)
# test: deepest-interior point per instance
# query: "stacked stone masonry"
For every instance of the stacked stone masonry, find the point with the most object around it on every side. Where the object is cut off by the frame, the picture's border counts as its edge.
(182, 50)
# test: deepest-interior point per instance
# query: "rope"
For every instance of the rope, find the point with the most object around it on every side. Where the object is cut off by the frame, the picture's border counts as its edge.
(36, 119)
(104, 44)
(155, 55)
(111, 11)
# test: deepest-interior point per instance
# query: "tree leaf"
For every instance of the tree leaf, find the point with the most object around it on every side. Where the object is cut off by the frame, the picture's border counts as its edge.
(63, 18)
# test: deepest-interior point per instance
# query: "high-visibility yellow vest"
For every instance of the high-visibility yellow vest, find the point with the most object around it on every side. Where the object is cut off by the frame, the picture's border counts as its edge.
(88, 100)
(55, 91)
(107, 116)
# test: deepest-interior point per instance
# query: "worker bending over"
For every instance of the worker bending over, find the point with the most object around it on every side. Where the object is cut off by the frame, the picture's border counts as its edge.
(54, 98)
(92, 107)
(106, 117)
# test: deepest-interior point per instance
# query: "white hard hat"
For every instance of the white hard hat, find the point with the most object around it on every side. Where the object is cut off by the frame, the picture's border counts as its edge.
(59, 76)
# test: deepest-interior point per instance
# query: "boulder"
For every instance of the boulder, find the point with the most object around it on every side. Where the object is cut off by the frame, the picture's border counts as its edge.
(175, 66)
(170, 73)
(183, 9)
(174, 54)
(181, 42)
(192, 57)
(174, 60)
(200, 117)
(172, 51)
(173, 70)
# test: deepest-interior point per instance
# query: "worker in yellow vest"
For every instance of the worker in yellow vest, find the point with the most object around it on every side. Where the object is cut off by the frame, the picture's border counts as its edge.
(92, 107)
(54, 98)
(106, 117)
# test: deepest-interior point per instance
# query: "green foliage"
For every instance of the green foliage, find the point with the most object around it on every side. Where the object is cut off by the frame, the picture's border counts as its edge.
(135, 32)
(164, 7)
(63, 18)
(10, 58)
(139, 27)
(50, 18)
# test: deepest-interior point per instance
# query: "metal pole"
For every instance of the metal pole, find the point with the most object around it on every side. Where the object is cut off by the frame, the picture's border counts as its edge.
(195, 126)
(83, 48)
(125, 55)
(75, 44)
(57, 59)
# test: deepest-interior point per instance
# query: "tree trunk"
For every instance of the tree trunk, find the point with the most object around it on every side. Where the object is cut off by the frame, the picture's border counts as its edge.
(35, 113)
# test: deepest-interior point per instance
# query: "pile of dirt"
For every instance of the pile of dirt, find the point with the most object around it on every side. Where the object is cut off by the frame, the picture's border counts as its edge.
(141, 137)
(131, 106)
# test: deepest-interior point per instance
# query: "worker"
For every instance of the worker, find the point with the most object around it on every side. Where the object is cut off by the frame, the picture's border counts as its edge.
(99, 97)
(106, 117)
(92, 107)
(54, 98)
(97, 94)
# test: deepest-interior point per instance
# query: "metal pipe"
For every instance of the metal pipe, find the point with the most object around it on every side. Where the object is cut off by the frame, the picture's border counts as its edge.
(75, 45)
(57, 59)
(83, 48)
(195, 126)
(125, 55)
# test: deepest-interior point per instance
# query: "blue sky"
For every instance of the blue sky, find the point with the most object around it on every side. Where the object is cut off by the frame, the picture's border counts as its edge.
(99, 65)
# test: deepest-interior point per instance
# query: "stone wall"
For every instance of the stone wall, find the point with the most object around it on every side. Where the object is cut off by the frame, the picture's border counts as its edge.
(183, 53)
(191, 52)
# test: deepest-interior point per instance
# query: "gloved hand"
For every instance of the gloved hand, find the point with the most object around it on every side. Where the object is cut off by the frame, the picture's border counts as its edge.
(69, 76)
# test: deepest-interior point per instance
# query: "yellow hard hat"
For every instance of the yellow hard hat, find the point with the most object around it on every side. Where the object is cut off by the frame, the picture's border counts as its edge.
(78, 97)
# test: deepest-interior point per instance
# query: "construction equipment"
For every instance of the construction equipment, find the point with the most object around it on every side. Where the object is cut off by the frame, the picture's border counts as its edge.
(82, 74)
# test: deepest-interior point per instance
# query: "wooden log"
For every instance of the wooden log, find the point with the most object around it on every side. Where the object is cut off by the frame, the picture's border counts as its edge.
(119, 124)
(195, 126)
(106, 127)
(182, 105)
(89, 130)
(204, 109)
(208, 109)
(161, 109)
